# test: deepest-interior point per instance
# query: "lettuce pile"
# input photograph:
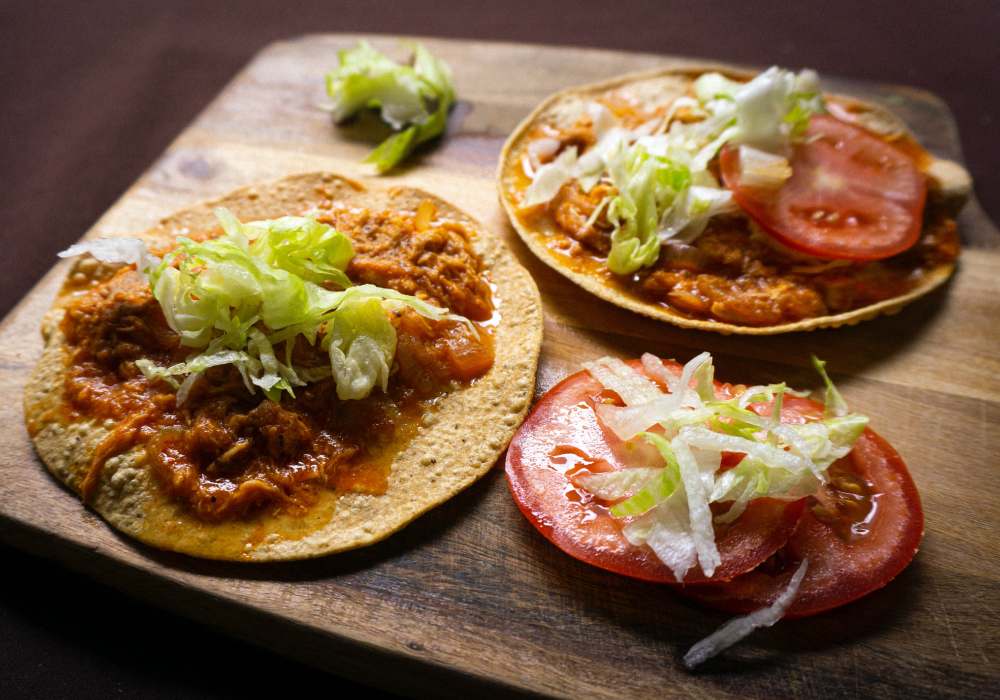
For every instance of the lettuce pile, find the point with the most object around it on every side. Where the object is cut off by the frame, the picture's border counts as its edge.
(666, 504)
(413, 99)
(241, 298)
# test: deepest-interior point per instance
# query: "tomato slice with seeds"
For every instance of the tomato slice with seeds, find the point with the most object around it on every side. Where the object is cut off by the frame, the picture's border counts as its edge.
(859, 533)
(562, 436)
(851, 196)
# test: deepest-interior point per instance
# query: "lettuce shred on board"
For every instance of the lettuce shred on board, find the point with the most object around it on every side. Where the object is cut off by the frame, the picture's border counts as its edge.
(740, 627)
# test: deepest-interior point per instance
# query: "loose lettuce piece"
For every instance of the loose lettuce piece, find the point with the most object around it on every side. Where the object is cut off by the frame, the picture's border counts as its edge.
(236, 298)
(740, 627)
(412, 99)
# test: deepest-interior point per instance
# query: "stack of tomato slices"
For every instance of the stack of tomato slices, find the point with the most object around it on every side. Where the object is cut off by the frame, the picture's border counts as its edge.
(858, 532)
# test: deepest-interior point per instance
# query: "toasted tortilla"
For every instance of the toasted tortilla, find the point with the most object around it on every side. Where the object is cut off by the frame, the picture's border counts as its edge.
(949, 184)
(454, 446)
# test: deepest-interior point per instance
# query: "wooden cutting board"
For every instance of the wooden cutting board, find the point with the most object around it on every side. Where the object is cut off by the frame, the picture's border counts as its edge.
(470, 597)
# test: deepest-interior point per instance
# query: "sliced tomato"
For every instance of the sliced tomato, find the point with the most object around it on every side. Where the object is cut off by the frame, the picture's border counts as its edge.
(858, 534)
(562, 436)
(851, 196)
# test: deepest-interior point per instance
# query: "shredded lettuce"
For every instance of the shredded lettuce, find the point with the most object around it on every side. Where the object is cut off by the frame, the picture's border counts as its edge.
(362, 343)
(666, 530)
(617, 376)
(834, 402)
(740, 627)
(236, 298)
(769, 112)
(665, 502)
(615, 484)
(412, 99)
(550, 178)
(656, 489)
(648, 187)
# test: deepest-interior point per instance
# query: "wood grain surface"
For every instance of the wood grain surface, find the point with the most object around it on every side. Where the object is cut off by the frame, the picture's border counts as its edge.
(470, 597)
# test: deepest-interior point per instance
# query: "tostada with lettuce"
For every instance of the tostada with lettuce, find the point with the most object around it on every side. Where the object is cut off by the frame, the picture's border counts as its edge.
(299, 368)
(733, 202)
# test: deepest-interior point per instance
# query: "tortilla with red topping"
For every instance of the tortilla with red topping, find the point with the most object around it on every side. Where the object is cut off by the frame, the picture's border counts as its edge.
(310, 376)
(731, 202)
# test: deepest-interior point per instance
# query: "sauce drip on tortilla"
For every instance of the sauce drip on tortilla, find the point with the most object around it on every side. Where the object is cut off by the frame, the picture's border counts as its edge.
(226, 453)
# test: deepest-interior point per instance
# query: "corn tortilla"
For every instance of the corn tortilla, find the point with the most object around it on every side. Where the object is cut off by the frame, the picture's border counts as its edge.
(453, 447)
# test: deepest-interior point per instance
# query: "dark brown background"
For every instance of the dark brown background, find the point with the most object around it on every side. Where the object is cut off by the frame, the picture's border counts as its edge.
(94, 91)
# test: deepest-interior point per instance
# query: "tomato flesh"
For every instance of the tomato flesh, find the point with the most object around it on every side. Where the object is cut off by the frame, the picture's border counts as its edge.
(849, 556)
(561, 436)
(851, 196)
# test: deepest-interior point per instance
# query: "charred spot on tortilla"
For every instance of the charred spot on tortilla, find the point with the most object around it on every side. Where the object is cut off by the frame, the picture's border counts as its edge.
(288, 442)
(596, 183)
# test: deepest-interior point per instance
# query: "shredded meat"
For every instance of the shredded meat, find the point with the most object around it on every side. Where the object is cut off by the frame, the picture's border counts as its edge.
(572, 209)
(580, 135)
(435, 263)
(732, 273)
(229, 463)
(119, 320)
(226, 452)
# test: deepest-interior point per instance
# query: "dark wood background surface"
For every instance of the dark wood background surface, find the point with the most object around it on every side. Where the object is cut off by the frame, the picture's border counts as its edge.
(94, 92)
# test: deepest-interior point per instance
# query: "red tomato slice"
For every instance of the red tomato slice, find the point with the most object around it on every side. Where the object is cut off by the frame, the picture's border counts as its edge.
(562, 436)
(851, 196)
(863, 530)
